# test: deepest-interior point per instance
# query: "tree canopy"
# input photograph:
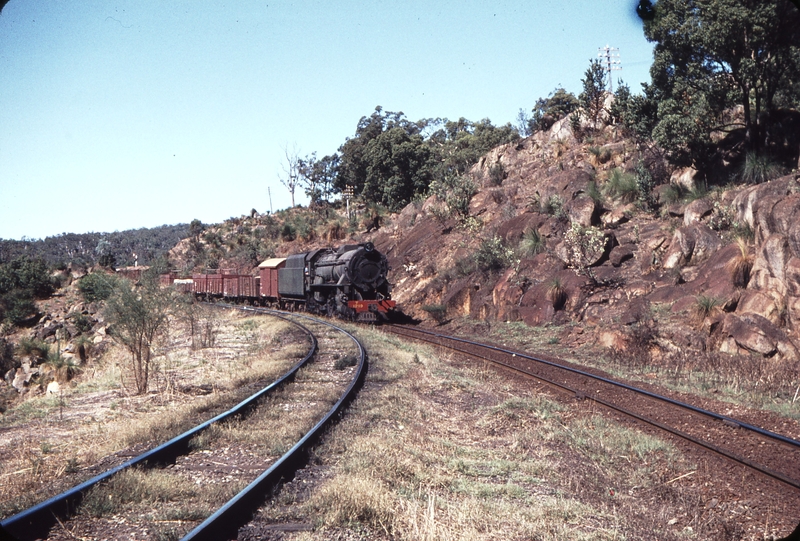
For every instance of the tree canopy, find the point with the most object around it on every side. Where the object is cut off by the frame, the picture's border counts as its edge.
(391, 160)
(554, 107)
(712, 55)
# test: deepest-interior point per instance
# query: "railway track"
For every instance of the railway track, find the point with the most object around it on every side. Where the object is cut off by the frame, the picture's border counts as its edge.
(773, 456)
(237, 457)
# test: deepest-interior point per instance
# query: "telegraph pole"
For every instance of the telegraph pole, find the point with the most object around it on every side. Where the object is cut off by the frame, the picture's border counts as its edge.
(610, 58)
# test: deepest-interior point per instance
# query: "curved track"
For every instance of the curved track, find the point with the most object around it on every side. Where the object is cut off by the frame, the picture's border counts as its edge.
(770, 454)
(226, 521)
(36, 522)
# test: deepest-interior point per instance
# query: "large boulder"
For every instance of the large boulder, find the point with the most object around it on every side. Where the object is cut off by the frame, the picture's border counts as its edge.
(619, 215)
(684, 177)
(745, 333)
(696, 211)
(769, 267)
(582, 210)
(761, 304)
(754, 205)
(691, 245)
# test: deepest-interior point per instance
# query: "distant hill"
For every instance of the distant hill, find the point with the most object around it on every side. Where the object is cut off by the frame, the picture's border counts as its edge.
(144, 245)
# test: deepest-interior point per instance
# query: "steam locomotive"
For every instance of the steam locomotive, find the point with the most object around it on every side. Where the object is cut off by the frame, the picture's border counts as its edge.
(348, 282)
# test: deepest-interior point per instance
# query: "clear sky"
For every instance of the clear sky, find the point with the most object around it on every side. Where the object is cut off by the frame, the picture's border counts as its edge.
(120, 115)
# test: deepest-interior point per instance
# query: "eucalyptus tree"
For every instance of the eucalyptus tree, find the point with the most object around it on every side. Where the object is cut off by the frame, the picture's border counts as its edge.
(712, 55)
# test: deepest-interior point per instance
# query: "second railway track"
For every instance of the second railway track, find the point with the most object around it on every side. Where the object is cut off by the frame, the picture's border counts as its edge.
(218, 473)
(772, 455)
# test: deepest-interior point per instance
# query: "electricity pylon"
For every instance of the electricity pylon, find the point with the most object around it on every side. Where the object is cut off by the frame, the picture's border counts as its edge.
(610, 59)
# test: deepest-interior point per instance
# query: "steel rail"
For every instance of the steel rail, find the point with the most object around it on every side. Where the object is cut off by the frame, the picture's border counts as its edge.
(226, 521)
(731, 421)
(36, 522)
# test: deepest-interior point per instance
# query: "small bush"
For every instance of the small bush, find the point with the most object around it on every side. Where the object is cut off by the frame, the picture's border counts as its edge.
(744, 231)
(698, 191)
(345, 362)
(705, 306)
(497, 174)
(554, 206)
(437, 311)
(97, 286)
(585, 245)
(288, 232)
(82, 322)
(722, 217)
(742, 265)
(602, 155)
(532, 243)
(594, 192)
(456, 193)
(760, 168)
(622, 185)
(644, 186)
(33, 347)
(6, 356)
(556, 293)
(672, 193)
(493, 255)
(465, 267)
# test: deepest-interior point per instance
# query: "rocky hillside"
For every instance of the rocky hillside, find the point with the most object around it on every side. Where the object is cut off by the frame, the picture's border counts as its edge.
(700, 270)
(595, 238)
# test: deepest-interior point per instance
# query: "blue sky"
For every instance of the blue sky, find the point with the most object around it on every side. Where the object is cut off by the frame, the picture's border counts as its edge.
(120, 115)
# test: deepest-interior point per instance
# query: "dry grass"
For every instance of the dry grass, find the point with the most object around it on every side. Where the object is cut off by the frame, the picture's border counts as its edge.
(50, 443)
(427, 453)
(742, 265)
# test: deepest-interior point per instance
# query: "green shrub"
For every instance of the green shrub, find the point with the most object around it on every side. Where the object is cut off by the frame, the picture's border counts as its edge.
(722, 217)
(82, 322)
(288, 232)
(345, 362)
(594, 192)
(24, 273)
(601, 154)
(97, 286)
(493, 255)
(465, 266)
(497, 174)
(456, 193)
(21, 281)
(17, 306)
(672, 193)
(556, 293)
(532, 243)
(698, 191)
(33, 347)
(705, 306)
(554, 206)
(760, 168)
(585, 245)
(644, 186)
(437, 311)
(742, 265)
(622, 185)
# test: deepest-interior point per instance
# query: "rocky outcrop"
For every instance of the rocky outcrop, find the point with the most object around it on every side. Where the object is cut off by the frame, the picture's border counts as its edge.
(696, 211)
(772, 210)
(751, 333)
(691, 245)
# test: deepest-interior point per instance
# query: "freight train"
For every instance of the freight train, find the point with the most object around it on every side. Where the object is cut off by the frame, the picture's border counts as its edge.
(348, 282)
